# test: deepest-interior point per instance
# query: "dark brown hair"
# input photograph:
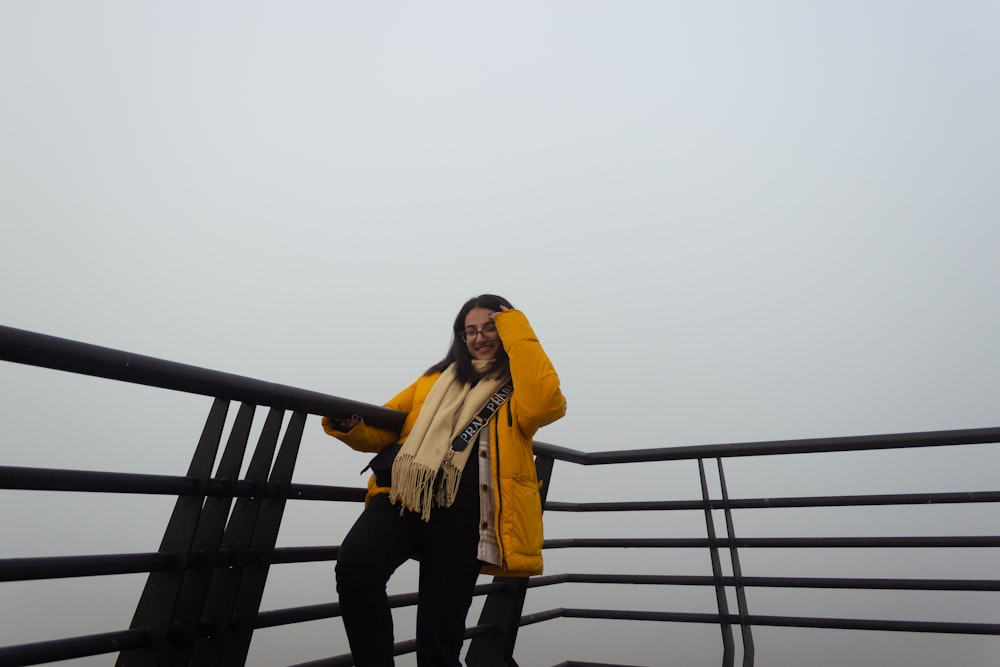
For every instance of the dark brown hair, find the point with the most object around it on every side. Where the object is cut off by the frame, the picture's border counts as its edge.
(459, 354)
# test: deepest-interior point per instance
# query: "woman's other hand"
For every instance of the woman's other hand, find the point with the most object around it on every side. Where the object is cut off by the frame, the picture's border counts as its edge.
(503, 309)
(346, 425)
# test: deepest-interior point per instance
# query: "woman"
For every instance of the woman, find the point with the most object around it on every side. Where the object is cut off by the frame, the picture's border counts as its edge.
(464, 500)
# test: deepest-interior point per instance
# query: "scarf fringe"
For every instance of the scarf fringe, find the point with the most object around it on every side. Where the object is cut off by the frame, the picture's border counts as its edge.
(412, 485)
(416, 488)
(451, 477)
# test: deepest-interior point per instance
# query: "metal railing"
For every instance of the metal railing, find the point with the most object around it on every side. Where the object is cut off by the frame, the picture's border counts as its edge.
(738, 582)
(201, 602)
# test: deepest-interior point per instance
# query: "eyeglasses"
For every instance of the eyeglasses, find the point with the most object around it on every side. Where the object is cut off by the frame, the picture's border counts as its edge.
(489, 332)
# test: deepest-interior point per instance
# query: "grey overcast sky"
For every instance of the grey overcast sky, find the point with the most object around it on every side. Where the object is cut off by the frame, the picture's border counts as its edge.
(727, 222)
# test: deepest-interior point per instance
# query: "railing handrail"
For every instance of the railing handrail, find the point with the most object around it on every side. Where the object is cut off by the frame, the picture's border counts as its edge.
(28, 347)
(35, 349)
(967, 436)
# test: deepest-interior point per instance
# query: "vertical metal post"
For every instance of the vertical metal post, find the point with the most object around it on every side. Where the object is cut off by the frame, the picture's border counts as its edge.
(221, 598)
(261, 518)
(155, 609)
(720, 590)
(503, 609)
(207, 542)
(741, 594)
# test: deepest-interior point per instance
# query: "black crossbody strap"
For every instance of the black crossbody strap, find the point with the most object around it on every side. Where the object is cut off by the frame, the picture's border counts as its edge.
(463, 439)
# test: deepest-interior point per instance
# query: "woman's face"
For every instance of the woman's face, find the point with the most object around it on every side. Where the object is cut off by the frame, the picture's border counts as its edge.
(481, 334)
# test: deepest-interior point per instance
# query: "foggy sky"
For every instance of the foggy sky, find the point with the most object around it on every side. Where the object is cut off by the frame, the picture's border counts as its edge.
(726, 222)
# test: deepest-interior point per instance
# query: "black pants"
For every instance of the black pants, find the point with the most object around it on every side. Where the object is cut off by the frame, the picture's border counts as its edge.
(382, 540)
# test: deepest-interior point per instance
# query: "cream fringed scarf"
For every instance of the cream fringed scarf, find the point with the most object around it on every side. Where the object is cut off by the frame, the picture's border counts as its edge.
(449, 407)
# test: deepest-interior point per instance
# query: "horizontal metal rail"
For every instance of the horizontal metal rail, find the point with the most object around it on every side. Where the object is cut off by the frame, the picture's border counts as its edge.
(972, 436)
(35, 349)
(770, 582)
(777, 621)
(98, 644)
(399, 648)
(971, 541)
(32, 568)
(789, 502)
(317, 612)
(71, 647)
(93, 481)
(58, 567)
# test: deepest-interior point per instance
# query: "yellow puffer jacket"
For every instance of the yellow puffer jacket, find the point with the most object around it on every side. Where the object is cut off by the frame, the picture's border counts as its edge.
(537, 400)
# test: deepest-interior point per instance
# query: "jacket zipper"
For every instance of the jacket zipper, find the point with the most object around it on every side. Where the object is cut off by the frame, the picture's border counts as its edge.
(499, 496)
